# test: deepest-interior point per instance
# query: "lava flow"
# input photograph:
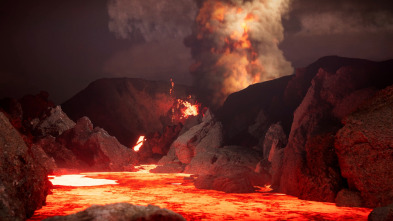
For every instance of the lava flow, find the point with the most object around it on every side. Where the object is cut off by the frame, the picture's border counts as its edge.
(176, 192)
(139, 143)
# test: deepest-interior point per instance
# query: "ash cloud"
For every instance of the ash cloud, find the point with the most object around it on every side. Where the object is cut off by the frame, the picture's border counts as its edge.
(351, 28)
(234, 44)
(340, 17)
(159, 28)
(151, 19)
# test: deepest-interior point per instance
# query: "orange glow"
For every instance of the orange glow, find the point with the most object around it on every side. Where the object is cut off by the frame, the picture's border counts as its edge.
(176, 192)
(237, 57)
(139, 143)
(78, 180)
(188, 109)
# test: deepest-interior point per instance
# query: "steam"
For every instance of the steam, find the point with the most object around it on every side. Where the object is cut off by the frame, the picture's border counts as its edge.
(234, 44)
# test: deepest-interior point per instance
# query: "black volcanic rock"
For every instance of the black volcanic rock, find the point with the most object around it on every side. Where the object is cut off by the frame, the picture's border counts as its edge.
(278, 99)
(381, 214)
(87, 148)
(121, 212)
(24, 184)
(241, 109)
(332, 96)
(365, 149)
(125, 107)
(309, 106)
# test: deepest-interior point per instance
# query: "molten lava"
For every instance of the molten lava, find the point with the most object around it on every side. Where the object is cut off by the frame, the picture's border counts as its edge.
(177, 192)
(188, 109)
(139, 143)
(78, 180)
(183, 108)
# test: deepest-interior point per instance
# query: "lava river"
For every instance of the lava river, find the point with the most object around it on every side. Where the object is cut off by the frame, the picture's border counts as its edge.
(176, 192)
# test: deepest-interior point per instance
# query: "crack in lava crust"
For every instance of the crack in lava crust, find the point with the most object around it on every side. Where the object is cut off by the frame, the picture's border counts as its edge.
(176, 192)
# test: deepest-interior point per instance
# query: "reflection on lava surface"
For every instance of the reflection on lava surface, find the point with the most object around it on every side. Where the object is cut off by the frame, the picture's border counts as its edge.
(176, 192)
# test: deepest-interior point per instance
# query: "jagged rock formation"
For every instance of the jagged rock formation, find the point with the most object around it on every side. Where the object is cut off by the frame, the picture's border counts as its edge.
(199, 151)
(126, 107)
(121, 211)
(94, 149)
(309, 106)
(53, 123)
(365, 149)
(23, 177)
(62, 143)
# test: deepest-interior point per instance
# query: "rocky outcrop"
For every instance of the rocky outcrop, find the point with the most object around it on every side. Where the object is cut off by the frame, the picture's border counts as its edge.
(198, 139)
(310, 168)
(121, 211)
(54, 123)
(126, 107)
(228, 169)
(381, 213)
(23, 178)
(246, 115)
(228, 184)
(91, 149)
(349, 198)
(364, 149)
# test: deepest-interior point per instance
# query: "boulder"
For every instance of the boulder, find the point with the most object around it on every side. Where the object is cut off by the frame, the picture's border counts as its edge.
(349, 198)
(24, 182)
(310, 168)
(93, 148)
(54, 123)
(62, 156)
(364, 149)
(228, 163)
(121, 211)
(275, 139)
(225, 160)
(228, 184)
(381, 213)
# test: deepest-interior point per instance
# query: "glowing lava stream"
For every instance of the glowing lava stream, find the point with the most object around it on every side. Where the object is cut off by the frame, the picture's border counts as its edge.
(176, 192)
(139, 143)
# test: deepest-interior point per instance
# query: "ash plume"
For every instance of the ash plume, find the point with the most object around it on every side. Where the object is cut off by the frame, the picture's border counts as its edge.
(151, 19)
(234, 44)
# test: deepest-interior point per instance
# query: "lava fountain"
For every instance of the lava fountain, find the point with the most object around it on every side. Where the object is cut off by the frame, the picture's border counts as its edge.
(177, 192)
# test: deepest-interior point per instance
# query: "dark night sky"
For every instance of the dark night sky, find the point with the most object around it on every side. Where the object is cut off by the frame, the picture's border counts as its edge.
(62, 46)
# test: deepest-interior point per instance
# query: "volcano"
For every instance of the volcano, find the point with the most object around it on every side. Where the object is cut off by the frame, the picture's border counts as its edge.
(323, 134)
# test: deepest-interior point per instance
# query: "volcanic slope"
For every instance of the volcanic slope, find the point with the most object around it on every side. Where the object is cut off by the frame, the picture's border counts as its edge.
(125, 107)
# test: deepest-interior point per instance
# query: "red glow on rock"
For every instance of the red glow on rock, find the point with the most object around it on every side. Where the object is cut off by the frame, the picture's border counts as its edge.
(177, 192)
(139, 143)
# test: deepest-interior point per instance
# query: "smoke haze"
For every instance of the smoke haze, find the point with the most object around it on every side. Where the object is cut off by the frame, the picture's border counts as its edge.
(62, 46)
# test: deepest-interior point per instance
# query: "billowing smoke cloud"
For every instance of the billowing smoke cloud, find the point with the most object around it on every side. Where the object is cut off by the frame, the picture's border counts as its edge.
(151, 19)
(350, 28)
(234, 44)
(342, 17)
(157, 30)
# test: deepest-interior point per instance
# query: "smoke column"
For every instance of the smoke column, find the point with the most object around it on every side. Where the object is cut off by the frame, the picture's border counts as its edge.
(234, 44)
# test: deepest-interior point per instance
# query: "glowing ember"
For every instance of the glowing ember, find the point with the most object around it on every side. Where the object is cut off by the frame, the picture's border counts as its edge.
(176, 192)
(188, 109)
(78, 180)
(184, 106)
(139, 143)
